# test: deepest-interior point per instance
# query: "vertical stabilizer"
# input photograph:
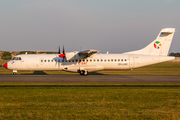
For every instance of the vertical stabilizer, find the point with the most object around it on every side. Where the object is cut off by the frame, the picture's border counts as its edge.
(160, 46)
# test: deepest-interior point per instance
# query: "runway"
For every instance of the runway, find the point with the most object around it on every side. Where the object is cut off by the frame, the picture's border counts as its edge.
(90, 79)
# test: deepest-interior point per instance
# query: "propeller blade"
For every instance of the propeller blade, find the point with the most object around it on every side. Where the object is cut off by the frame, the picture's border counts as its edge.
(64, 55)
(63, 50)
(59, 50)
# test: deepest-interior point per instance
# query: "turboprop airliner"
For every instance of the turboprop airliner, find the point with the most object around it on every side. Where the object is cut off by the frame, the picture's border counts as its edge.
(87, 61)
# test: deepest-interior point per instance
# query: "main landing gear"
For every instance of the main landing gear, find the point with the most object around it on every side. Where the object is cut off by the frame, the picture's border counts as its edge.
(83, 72)
(14, 72)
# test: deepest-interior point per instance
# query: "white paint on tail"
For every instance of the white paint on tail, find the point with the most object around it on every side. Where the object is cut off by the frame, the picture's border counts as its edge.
(160, 46)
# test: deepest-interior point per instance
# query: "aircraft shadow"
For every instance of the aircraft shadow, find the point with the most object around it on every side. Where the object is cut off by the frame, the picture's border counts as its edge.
(95, 73)
(36, 73)
(39, 73)
(43, 73)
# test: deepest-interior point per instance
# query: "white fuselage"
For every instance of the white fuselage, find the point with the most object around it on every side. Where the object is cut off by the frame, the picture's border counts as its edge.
(42, 62)
(89, 61)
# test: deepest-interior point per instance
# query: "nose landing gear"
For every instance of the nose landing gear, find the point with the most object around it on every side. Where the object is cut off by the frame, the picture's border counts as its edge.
(14, 72)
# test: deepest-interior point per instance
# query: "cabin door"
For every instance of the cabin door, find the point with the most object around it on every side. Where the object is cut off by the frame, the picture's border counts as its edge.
(131, 61)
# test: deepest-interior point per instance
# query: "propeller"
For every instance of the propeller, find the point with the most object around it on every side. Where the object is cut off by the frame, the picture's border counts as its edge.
(63, 55)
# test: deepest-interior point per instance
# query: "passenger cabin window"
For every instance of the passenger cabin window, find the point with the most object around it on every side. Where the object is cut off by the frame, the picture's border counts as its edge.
(105, 60)
(41, 60)
(48, 60)
(44, 60)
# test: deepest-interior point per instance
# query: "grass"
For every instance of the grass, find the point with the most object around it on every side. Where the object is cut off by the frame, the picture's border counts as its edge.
(139, 101)
(90, 103)
(166, 68)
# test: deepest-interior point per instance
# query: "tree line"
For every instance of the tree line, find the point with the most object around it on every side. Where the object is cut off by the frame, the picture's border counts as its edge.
(174, 54)
(8, 55)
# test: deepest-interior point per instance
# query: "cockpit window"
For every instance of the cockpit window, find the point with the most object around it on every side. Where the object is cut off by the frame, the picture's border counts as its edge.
(17, 58)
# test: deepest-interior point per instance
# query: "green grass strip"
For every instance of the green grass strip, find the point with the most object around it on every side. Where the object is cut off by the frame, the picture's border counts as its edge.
(139, 103)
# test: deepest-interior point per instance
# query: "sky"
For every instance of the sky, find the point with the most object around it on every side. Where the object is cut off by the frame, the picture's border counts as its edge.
(116, 26)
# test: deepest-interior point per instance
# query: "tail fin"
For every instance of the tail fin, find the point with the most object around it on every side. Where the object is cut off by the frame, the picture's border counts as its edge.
(160, 46)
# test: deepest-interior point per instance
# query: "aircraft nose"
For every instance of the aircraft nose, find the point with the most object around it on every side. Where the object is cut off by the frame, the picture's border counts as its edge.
(5, 65)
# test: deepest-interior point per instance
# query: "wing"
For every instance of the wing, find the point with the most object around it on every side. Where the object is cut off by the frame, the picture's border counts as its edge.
(87, 53)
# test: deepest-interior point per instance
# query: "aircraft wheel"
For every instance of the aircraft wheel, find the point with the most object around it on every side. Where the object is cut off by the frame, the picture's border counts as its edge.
(14, 73)
(85, 73)
(81, 72)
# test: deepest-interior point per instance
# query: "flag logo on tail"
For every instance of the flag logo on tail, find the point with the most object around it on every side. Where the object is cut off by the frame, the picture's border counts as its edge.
(157, 45)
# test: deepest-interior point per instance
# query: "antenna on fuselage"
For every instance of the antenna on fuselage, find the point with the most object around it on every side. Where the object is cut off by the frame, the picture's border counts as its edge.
(26, 53)
(107, 52)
